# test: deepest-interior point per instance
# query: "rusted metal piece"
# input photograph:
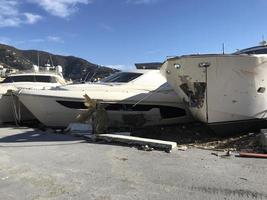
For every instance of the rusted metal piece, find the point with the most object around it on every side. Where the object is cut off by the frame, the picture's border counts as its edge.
(91, 108)
(97, 113)
(252, 155)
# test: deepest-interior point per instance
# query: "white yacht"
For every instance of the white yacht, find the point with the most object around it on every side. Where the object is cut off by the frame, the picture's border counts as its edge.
(132, 99)
(261, 49)
(10, 108)
(221, 89)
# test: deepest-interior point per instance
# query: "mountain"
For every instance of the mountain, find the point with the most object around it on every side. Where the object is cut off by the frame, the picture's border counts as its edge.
(73, 67)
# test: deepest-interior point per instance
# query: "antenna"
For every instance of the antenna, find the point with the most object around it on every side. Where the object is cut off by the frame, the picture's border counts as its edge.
(51, 60)
(263, 42)
(95, 71)
(38, 63)
(86, 76)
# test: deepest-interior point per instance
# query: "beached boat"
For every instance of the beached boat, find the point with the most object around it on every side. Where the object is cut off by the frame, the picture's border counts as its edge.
(221, 89)
(261, 49)
(132, 99)
(10, 109)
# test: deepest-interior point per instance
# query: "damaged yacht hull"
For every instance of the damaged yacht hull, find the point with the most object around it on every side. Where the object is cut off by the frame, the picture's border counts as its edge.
(220, 89)
(145, 100)
(60, 109)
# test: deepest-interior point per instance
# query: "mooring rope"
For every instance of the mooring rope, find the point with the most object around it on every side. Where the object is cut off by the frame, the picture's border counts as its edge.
(16, 108)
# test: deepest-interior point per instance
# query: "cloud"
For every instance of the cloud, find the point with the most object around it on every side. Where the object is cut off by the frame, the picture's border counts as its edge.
(11, 17)
(32, 18)
(55, 39)
(6, 40)
(60, 8)
(47, 39)
(106, 27)
(138, 2)
(37, 40)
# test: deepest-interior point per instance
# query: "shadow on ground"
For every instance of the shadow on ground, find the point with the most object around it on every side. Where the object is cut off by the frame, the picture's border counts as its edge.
(26, 135)
(195, 135)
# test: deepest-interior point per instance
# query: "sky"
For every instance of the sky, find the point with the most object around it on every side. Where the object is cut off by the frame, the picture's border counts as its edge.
(119, 33)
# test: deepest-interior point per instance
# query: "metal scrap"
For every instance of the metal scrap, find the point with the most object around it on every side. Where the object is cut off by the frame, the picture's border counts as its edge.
(252, 155)
(96, 113)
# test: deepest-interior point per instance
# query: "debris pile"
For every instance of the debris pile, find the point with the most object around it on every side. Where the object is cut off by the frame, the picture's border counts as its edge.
(199, 136)
(247, 143)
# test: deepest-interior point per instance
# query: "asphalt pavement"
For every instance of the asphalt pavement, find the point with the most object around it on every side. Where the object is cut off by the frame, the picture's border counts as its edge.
(41, 165)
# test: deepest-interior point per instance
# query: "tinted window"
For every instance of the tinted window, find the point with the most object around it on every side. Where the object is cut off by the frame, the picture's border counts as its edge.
(259, 51)
(165, 111)
(253, 50)
(122, 77)
(32, 78)
(23, 79)
(7, 80)
(45, 79)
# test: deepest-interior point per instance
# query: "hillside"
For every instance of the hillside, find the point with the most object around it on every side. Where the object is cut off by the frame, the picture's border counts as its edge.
(73, 67)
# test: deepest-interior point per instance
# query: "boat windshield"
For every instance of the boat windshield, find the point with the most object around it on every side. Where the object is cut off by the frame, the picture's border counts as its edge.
(121, 77)
(253, 50)
(30, 78)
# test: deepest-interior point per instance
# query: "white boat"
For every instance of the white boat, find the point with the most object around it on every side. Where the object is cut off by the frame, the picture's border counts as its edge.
(10, 109)
(261, 49)
(221, 89)
(132, 99)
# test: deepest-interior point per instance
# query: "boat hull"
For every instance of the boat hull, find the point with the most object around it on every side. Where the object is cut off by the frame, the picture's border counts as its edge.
(12, 110)
(237, 127)
(6, 108)
(60, 110)
(220, 88)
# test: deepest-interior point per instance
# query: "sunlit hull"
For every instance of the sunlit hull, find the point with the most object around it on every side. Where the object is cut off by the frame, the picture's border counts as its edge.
(60, 108)
(220, 88)
(141, 98)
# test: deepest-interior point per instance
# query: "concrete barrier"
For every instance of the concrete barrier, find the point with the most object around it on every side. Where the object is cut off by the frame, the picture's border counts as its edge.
(157, 144)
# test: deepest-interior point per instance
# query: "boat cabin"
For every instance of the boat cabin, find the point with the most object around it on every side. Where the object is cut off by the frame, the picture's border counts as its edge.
(40, 78)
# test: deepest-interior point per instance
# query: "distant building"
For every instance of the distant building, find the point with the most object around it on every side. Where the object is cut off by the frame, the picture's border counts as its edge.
(152, 65)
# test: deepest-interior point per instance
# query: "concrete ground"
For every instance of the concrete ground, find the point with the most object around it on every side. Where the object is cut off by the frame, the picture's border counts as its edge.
(38, 165)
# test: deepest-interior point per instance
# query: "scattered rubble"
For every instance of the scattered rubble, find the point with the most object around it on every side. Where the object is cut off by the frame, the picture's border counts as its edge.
(263, 139)
(79, 127)
(182, 148)
(226, 154)
(146, 148)
(185, 136)
(198, 136)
